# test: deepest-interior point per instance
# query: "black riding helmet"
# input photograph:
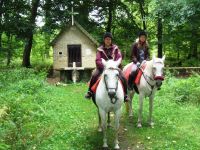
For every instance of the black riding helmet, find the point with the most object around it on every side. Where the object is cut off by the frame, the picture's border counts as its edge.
(142, 33)
(107, 34)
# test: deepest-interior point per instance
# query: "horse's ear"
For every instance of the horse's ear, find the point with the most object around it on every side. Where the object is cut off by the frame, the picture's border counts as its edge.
(163, 58)
(103, 62)
(118, 62)
(154, 58)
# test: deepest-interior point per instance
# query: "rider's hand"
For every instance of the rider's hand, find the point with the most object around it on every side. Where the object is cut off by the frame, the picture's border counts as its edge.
(138, 64)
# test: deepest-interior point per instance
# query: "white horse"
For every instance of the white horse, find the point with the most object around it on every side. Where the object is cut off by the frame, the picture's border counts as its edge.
(150, 81)
(109, 97)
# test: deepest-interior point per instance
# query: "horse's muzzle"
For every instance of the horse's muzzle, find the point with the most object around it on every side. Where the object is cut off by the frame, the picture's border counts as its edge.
(159, 78)
(159, 83)
(111, 93)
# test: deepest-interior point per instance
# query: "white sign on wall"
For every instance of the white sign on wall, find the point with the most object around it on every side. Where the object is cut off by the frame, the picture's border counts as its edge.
(88, 52)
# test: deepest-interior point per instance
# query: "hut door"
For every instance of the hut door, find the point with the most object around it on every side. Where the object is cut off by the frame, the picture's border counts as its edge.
(74, 55)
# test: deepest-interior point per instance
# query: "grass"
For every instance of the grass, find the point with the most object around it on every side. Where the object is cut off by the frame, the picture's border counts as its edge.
(46, 117)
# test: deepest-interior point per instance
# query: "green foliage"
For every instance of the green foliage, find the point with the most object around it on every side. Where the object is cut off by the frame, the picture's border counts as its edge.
(180, 28)
(180, 21)
(40, 116)
(187, 90)
(23, 91)
(191, 62)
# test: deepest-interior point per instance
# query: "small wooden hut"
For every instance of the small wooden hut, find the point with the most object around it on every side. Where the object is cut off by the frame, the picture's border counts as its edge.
(74, 49)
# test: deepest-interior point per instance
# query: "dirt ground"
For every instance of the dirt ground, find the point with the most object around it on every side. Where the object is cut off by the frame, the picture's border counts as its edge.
(53, 80)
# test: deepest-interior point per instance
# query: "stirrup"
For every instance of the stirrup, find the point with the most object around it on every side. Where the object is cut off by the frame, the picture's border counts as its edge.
(88, 95)
(126, 98)
(130, 87)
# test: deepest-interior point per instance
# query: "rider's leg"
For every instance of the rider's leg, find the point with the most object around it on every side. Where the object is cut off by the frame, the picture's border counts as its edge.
(124, 82)
(93, 80)
(132, 76)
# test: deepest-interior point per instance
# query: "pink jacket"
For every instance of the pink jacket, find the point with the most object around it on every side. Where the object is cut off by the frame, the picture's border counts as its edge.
(111, 53)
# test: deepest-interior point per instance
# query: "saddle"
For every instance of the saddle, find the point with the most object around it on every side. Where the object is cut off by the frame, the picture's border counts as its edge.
(139, 73)
(94, 87)
(127, 72)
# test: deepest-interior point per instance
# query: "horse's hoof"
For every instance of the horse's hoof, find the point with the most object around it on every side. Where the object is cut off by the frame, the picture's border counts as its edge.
(139, 125)
(116, 147)
(100, 129)
(105, 147)
(151, 124)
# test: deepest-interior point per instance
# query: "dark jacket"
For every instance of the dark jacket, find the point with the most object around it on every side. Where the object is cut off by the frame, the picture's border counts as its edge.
(111, 53)
(135, 57)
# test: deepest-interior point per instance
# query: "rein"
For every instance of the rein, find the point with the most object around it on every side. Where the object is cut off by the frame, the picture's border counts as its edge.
(152, 79)
(115, 97)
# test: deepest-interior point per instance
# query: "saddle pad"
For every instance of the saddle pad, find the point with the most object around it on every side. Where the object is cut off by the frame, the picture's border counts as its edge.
(94, 87)
(127, 71)
(139, 74)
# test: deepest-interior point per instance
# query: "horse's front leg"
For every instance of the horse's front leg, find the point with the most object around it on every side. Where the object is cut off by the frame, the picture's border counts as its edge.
(129, 107)
(104, 126)
(99, 125)
(141, 98)
(150, 121)
(108, 121)
(117, 118)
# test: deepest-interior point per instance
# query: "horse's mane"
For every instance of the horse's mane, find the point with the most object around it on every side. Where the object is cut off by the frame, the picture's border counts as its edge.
(156, 60)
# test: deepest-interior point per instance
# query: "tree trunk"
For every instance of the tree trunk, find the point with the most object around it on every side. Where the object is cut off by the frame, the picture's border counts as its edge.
(29, 39)
(193, 49)
(1, 5)
(27, 52)
(193, 46)
(110, 17)
(9, 50)
(47, 34)
(47, 47)
(0, 40)
(178, 51)
(159, 36)
(142, 12)
(194, 43)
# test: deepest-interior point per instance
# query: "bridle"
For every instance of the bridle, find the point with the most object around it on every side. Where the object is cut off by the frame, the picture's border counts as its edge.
(115, 89)
(152, 79)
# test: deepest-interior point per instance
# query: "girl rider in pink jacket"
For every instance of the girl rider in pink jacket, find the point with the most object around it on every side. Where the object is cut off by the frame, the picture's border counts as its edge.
(106, 51)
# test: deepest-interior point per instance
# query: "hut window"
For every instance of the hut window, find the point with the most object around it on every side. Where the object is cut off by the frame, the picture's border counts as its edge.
(74, 55)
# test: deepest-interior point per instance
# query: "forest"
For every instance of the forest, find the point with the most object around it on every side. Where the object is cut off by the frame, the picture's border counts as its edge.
(37, 113)
(28, 26)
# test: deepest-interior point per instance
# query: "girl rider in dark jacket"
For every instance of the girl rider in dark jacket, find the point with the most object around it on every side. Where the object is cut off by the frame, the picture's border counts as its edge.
(106, 51)
(139, 53)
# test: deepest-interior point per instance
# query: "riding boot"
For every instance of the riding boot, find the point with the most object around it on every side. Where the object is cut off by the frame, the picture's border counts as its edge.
(93, 80)
(126, 97)
(89, 94)
(131, 79)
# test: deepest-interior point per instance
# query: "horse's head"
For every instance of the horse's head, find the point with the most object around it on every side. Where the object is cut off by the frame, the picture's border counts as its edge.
(111, 76)
(157, 70)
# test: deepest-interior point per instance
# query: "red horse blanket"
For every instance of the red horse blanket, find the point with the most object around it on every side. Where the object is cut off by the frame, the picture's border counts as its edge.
(139, 72)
